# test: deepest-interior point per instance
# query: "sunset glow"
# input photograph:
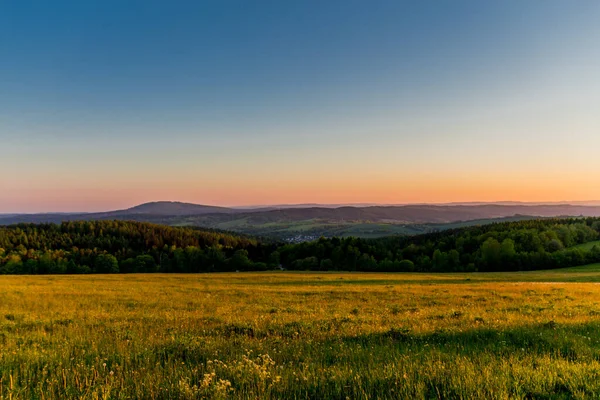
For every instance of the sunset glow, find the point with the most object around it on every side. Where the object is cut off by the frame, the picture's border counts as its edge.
(469, 101)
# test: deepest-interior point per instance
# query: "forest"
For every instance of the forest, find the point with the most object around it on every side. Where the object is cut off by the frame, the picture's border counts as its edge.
(79, 247)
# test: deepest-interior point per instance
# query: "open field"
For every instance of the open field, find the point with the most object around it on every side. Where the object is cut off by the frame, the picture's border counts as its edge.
(297, 335)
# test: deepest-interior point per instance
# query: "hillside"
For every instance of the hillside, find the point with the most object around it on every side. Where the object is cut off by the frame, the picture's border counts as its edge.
(376, 221)
(117, 246)
(412, 214)
(173, 208)
(144, 212)
(121, 246)
(309, 222)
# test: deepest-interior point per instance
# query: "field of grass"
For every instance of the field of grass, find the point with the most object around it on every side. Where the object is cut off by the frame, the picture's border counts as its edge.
(301, 336)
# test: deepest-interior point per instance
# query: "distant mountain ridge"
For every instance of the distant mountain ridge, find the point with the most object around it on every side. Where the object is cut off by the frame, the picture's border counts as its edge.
(183, 208)
(144, 212)
(410, 213)
(174, 208)
(416, 214)
(314, 220)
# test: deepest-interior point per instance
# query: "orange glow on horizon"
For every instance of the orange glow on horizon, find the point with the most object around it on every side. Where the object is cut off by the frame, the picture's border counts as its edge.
(383, 190)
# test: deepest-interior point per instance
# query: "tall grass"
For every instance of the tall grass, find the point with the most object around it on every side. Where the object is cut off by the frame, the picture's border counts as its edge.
(283, 335)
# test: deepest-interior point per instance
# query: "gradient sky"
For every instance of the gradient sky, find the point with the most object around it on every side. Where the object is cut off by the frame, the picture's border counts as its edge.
(106, 104)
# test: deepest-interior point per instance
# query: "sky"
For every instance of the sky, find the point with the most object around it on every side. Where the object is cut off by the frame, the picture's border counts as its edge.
(107, 104)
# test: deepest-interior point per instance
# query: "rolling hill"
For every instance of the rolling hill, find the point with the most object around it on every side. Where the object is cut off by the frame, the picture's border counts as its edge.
(174, 208)
(370, 221)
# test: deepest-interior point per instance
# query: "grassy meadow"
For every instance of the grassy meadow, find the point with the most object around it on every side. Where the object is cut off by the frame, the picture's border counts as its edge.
(301, 336)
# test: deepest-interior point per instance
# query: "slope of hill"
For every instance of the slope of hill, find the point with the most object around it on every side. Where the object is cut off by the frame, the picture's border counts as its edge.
(174, 208)
(121, 246)
(373, 221)
(125, 246)
(143, 212)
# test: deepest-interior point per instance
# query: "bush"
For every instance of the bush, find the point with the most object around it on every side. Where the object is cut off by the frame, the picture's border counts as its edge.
(106, 264)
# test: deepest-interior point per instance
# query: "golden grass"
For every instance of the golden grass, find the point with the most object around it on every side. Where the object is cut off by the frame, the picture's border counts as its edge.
(295, 335)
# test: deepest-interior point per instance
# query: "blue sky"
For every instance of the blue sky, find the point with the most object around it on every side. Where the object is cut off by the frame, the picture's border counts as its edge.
(104, 104)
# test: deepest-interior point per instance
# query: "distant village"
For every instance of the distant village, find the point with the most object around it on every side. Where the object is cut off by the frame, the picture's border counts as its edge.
(301, 238)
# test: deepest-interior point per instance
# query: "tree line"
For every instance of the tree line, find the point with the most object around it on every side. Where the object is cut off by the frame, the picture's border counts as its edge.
(129, 247)
(124, 246)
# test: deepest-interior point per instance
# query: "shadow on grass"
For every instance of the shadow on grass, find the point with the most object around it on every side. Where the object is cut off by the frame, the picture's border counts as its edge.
(571, 342)
(577, 344)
